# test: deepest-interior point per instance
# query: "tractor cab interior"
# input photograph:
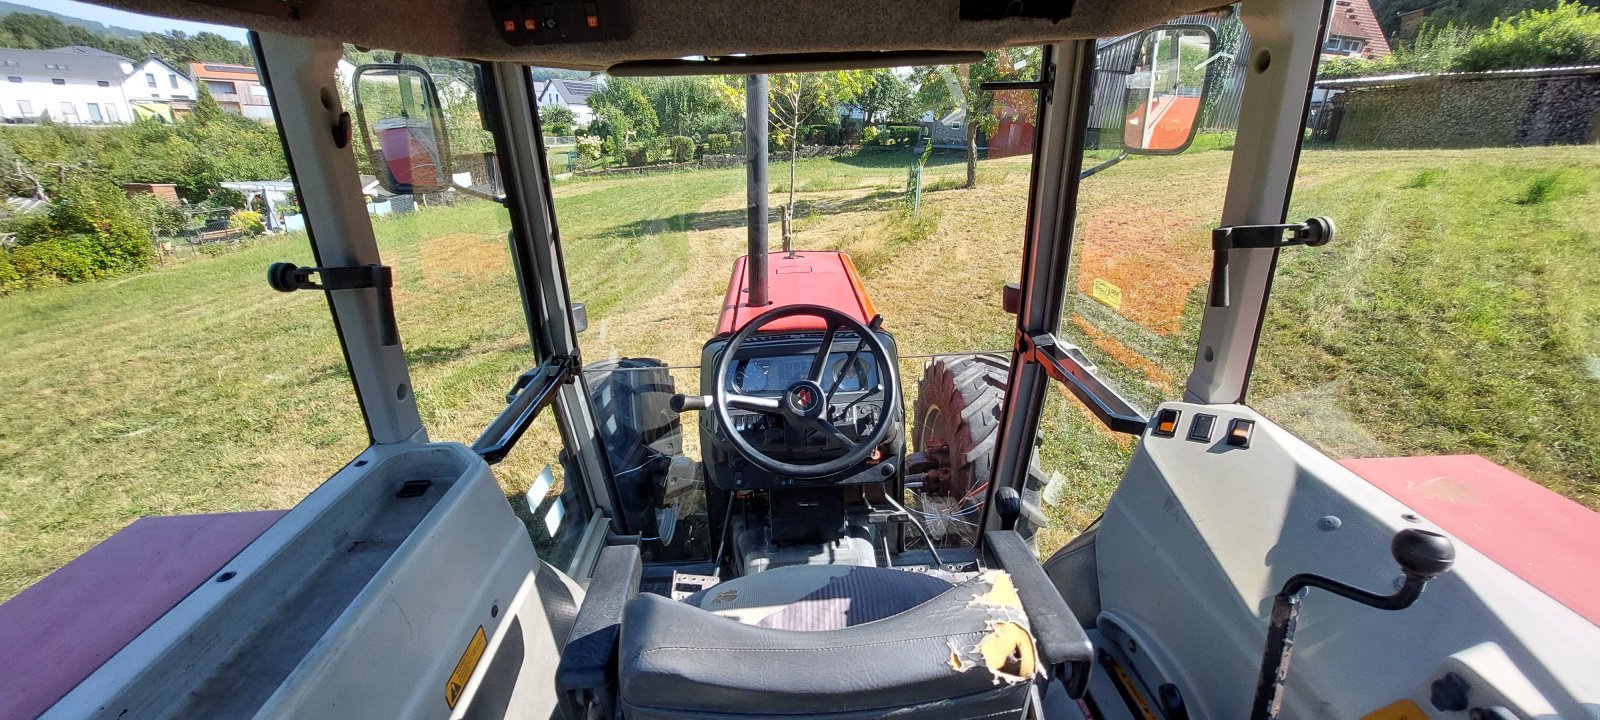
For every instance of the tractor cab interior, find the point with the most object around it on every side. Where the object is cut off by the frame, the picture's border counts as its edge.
(851, 541)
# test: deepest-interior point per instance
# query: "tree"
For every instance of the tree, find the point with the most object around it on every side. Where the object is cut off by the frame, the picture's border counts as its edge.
(557, 119)
(206, 110)
(684, 105)
(952, 91)
(885, 97)
(797, 100)
(620, 108)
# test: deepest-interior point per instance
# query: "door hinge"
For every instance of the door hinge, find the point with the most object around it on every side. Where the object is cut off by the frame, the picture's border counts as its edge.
(1313, 232)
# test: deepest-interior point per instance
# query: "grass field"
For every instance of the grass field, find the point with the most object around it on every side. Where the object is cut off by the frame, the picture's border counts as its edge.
(1456, 313)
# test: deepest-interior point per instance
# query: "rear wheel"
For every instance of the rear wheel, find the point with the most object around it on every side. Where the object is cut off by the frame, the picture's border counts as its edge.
(959, 401)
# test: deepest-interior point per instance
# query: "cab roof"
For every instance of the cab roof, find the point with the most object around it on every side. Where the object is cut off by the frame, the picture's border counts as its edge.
(645, 31)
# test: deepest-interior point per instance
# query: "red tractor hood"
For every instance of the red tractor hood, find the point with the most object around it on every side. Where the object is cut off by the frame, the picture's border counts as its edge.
(811, 277)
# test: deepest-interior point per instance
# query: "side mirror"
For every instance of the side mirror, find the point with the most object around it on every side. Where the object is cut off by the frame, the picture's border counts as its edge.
(402, 127)
(1170, 81)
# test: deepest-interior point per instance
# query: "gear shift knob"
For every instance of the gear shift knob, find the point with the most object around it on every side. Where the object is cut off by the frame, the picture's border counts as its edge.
(1423, 553)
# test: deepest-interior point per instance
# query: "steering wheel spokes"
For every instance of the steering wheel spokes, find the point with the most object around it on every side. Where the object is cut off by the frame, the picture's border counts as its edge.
(807, 405)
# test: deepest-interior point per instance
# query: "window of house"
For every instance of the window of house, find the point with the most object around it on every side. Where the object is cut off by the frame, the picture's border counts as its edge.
(179, 96)
(150, 79)
(57, 81)
(111, 114)
(220, 87)
(25, 107)
(174, 80)
(69, 112)
(14, 78)
(102, 83)
(94, 114)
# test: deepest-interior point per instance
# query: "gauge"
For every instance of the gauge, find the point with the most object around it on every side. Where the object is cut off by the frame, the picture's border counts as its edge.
(752, 376)
(852, 378)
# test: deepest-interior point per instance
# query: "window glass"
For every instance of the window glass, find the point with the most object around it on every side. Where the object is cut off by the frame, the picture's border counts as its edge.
(148, 368)
(651, 200)
(1455, 311)
(1141, 251)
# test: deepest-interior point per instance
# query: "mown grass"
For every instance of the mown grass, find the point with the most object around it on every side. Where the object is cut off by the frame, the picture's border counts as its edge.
(1451, 315)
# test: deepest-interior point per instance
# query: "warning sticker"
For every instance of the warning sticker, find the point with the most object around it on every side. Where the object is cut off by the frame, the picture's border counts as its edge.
(1402, 710)
(457, 683)
(1106, 293)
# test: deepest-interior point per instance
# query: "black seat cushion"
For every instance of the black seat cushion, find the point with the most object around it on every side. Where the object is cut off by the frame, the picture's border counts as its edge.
(964, 653)
(818, 597)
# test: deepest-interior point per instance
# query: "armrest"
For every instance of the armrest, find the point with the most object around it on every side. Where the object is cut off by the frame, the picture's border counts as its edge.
(1063, 646)
(588, 670)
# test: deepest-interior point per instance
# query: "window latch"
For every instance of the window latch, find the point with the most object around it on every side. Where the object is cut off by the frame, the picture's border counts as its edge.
(1313, 232)
(288, 277)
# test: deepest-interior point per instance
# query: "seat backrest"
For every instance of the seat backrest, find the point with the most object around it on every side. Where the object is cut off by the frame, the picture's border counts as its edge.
(966, 652)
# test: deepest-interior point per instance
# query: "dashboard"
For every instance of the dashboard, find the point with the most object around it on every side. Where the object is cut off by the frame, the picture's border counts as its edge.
(770, 376)
(767, 366)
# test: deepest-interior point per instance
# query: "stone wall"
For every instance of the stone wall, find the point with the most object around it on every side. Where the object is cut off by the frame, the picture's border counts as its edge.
(1446, 112)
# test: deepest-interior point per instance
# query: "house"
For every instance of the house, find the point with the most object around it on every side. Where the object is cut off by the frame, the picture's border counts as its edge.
(157, 89)
(1353, 31)
(236, 88)
(74, 85)
(572, 93)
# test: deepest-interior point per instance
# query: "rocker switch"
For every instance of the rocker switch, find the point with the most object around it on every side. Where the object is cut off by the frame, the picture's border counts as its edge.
(1166, 422)
(1200, 429)
(1239, 432)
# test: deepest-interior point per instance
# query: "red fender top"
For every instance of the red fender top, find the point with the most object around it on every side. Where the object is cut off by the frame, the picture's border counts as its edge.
(811, 277)
(1547, 540)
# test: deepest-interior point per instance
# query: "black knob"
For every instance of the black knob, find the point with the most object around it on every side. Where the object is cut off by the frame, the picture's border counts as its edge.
(1009, 505)
(685, 403)
(280, 275)
(1423, 553)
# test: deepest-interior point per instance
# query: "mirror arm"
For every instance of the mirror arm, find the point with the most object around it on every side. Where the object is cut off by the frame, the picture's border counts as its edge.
(1102, 166)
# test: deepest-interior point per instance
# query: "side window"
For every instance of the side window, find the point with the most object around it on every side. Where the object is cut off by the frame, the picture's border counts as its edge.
(1141, 252)
(1456, 311)
(457, 300)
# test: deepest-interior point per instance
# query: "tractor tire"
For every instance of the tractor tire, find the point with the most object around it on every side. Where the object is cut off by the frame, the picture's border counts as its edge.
(959, 401)
(630, 398)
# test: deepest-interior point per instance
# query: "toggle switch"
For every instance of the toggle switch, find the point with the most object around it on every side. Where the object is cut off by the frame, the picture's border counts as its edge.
(1239, 432)
(1167, 422)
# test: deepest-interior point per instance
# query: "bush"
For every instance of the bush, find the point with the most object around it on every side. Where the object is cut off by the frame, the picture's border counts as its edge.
(902, 135)
(716, 143)
(736, 141)
(158, 216)
(871, 135)
(634, 155)
(10, 279)
(247, 222)
(226, 198)
(682, 148)
(1568, 34)
(590, 148)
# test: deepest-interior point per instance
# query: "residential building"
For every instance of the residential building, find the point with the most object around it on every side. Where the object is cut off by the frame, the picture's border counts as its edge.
(236, 88)
(1353, 31)
(74, 85)
(572, 93)
(157, 89)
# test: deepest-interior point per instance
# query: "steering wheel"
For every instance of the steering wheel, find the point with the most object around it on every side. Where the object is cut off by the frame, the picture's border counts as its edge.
(806, 403)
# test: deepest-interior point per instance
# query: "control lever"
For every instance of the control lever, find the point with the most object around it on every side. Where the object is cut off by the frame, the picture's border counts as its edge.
(1422, 555)
(1314, 232)
(685, 403)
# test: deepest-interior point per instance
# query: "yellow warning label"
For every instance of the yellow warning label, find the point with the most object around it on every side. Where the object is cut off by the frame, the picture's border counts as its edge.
(1107, 293)
(1401, 710)
(463, 672)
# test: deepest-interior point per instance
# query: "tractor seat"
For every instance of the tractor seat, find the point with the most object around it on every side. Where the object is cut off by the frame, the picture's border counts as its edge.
(812, 641)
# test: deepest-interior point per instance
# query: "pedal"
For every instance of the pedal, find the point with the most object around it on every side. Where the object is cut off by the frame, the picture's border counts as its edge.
(684, 584)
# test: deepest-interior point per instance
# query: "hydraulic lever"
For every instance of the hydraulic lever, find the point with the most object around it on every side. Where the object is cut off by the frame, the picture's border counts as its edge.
(288, 277)
(1313, 232)
(1422, 555)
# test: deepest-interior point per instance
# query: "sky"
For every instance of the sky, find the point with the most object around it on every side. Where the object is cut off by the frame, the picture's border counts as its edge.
(132, 21)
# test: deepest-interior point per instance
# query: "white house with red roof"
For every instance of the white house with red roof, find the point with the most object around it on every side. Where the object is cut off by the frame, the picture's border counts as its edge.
(1353, 31)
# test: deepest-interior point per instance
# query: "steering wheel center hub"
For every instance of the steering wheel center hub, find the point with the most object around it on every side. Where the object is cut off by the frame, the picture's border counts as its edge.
(805, 399)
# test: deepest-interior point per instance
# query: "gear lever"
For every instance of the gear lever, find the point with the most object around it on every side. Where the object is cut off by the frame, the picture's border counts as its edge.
(1422, 555)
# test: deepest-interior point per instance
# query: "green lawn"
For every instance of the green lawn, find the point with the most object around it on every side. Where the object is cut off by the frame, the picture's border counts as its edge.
(1455, 313)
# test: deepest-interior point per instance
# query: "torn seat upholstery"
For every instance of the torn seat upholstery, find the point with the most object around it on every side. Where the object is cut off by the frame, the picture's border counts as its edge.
(822, 641)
